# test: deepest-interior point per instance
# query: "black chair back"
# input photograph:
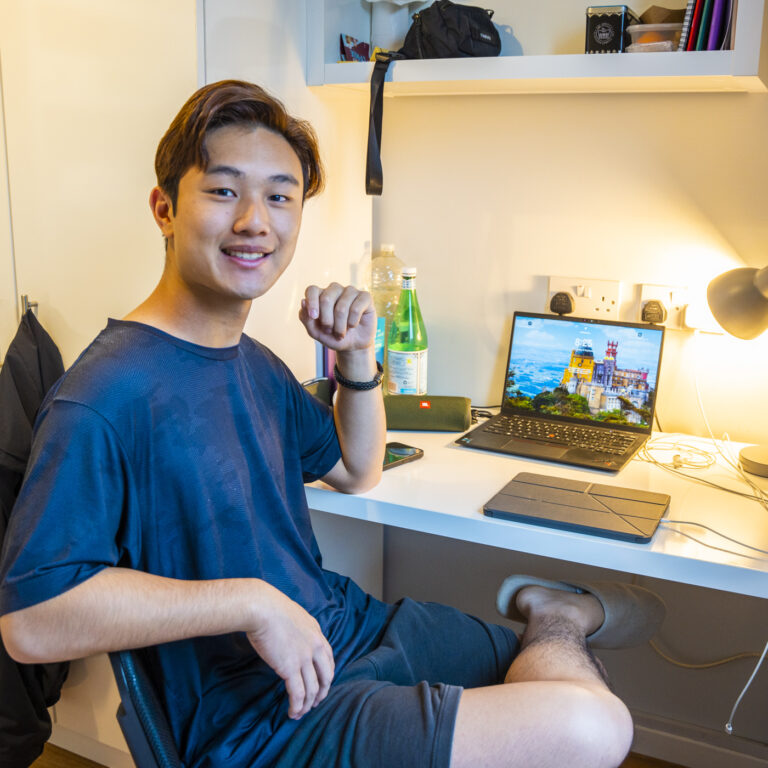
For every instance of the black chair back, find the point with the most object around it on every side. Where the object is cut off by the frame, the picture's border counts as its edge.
(140, 715)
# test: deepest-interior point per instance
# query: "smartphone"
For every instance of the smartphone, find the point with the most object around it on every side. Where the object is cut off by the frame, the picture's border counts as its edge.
(400, 453)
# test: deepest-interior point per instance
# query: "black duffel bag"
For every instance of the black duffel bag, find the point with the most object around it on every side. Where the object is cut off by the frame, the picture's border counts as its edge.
(445, 30)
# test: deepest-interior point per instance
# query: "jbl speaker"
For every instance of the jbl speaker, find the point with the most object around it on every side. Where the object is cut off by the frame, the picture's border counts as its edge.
(428, 412)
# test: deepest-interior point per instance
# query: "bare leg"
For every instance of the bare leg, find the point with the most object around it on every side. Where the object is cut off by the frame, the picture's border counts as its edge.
(554, 643)
(556, 708)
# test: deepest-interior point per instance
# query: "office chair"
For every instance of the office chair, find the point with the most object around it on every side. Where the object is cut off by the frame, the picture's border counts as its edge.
(141, 718)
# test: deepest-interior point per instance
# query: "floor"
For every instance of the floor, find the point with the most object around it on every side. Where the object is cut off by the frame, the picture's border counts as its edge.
(53, 757)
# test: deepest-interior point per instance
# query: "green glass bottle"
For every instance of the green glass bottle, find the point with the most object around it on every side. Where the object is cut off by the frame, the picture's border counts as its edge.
(407, 343)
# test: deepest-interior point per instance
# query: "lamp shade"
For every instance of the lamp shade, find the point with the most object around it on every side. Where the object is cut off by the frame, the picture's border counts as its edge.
(739, 301)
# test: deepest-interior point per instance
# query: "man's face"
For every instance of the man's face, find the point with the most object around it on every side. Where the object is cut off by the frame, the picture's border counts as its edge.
(235, 224)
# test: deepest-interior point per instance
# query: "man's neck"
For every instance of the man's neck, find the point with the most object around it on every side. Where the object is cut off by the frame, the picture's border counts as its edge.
(211, 323)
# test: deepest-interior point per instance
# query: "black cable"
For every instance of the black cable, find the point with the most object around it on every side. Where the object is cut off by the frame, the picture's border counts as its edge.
(481, 412)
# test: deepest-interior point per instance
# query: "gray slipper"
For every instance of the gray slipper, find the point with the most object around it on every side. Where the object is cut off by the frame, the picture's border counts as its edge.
(632, 614)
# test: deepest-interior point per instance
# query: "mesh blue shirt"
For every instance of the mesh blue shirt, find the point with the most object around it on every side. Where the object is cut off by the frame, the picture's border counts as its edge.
(160, 455)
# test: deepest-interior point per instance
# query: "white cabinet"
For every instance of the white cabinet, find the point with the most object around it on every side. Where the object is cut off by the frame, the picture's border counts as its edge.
(7, 271)
(84, 719)
(84, 106)
(551, 62)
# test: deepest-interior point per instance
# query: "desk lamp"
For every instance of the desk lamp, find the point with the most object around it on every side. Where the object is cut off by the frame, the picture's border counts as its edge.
(739, 302)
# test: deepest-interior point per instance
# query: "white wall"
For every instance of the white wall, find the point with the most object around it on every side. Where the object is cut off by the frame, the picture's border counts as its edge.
(89, 89)
(490, 195)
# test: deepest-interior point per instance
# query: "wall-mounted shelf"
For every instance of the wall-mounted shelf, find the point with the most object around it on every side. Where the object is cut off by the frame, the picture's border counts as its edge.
(741, 69)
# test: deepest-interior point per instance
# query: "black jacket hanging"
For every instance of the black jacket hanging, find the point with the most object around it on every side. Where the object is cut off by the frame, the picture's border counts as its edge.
(32, 365)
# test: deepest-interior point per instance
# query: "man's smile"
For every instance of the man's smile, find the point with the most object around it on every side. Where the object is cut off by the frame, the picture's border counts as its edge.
(246, 256)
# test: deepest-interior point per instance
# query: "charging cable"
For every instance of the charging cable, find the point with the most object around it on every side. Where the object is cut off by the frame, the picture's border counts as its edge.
(729, 724)
(708, 665)
(481, 412)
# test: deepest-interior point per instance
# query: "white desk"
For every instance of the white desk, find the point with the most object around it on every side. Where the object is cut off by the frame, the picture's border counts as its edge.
(444, 492)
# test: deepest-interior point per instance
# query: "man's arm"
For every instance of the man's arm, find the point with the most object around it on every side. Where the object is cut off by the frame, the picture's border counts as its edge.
(120, 608)
(343, 319)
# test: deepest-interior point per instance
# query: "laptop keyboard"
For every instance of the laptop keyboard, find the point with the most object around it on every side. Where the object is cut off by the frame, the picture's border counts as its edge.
(602, 440)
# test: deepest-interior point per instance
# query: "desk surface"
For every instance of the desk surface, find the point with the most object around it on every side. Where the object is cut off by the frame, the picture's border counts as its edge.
(444, 492)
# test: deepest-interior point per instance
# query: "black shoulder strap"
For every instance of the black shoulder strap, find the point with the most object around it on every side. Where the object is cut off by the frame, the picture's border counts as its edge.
(373, 173)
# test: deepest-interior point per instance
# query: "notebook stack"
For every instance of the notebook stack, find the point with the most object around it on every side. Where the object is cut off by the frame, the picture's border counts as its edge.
(708, 25)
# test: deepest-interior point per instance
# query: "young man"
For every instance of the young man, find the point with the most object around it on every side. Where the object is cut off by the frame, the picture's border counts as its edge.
(164, 509)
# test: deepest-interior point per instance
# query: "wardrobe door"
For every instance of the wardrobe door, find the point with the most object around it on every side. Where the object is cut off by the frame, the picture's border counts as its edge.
(8, 318)
(89, 88)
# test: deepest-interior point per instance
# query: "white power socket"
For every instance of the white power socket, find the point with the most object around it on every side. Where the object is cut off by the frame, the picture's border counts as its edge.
(591, 298)
(674, 299)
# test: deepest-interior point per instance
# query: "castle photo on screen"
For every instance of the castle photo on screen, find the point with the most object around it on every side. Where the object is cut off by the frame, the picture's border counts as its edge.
(583, 370)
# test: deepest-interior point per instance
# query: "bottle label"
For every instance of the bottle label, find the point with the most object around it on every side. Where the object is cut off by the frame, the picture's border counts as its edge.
(407, 372)
(378, 343)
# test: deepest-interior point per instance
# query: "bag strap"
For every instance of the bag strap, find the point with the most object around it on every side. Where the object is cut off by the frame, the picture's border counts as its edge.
(373, 172)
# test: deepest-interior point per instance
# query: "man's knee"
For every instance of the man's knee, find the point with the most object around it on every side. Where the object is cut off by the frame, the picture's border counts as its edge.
(600, 727)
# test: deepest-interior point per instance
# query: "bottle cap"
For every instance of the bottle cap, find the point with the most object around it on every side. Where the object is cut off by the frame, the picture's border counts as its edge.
(409, 271)
(387, 248)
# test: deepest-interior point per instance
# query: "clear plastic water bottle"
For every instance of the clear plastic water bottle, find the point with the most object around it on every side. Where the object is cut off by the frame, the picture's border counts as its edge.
(407, 343)
(386, 279)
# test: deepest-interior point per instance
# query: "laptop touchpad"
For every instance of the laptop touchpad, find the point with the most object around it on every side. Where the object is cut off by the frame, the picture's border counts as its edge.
(535, 448)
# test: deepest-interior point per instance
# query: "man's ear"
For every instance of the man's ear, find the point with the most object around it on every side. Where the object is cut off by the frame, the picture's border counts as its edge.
(162, 210)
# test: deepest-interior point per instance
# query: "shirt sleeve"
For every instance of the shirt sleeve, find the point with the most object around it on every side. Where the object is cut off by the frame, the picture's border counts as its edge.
(318, 442)
(73, 515)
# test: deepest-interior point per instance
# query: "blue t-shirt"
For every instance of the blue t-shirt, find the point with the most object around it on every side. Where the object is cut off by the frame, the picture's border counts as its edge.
(188, 462)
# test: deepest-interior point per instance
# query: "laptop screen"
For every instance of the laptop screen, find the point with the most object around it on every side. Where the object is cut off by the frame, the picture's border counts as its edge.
(583, 369)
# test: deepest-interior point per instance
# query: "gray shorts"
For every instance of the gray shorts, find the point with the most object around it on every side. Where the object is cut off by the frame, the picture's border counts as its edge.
(395, 707)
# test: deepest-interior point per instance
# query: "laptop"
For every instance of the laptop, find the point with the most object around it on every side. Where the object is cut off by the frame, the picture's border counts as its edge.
(576, 391)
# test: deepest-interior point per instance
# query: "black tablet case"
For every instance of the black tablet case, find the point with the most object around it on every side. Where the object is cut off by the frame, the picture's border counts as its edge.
(575, 505)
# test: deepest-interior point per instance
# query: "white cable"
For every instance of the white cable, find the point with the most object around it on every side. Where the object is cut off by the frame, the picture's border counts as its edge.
(701, 525)
(644, 455)
(712, 546)
(693, 456)
(759, 492)
(729, 724)
(696, 385)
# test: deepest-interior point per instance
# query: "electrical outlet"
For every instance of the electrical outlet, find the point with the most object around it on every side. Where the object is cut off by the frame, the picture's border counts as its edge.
(674, 299)
(592, 298)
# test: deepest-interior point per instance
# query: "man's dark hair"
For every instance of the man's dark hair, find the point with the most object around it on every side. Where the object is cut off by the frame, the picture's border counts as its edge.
(231, 102)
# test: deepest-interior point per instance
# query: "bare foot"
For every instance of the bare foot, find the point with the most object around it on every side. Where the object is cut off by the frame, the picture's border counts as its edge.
(584, 610)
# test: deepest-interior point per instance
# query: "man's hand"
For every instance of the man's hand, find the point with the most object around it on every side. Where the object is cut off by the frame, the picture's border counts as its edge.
(290, 641)
(343, 319)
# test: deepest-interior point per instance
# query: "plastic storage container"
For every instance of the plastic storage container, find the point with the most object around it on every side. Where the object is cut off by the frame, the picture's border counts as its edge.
(665, 45)
(654, 37)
